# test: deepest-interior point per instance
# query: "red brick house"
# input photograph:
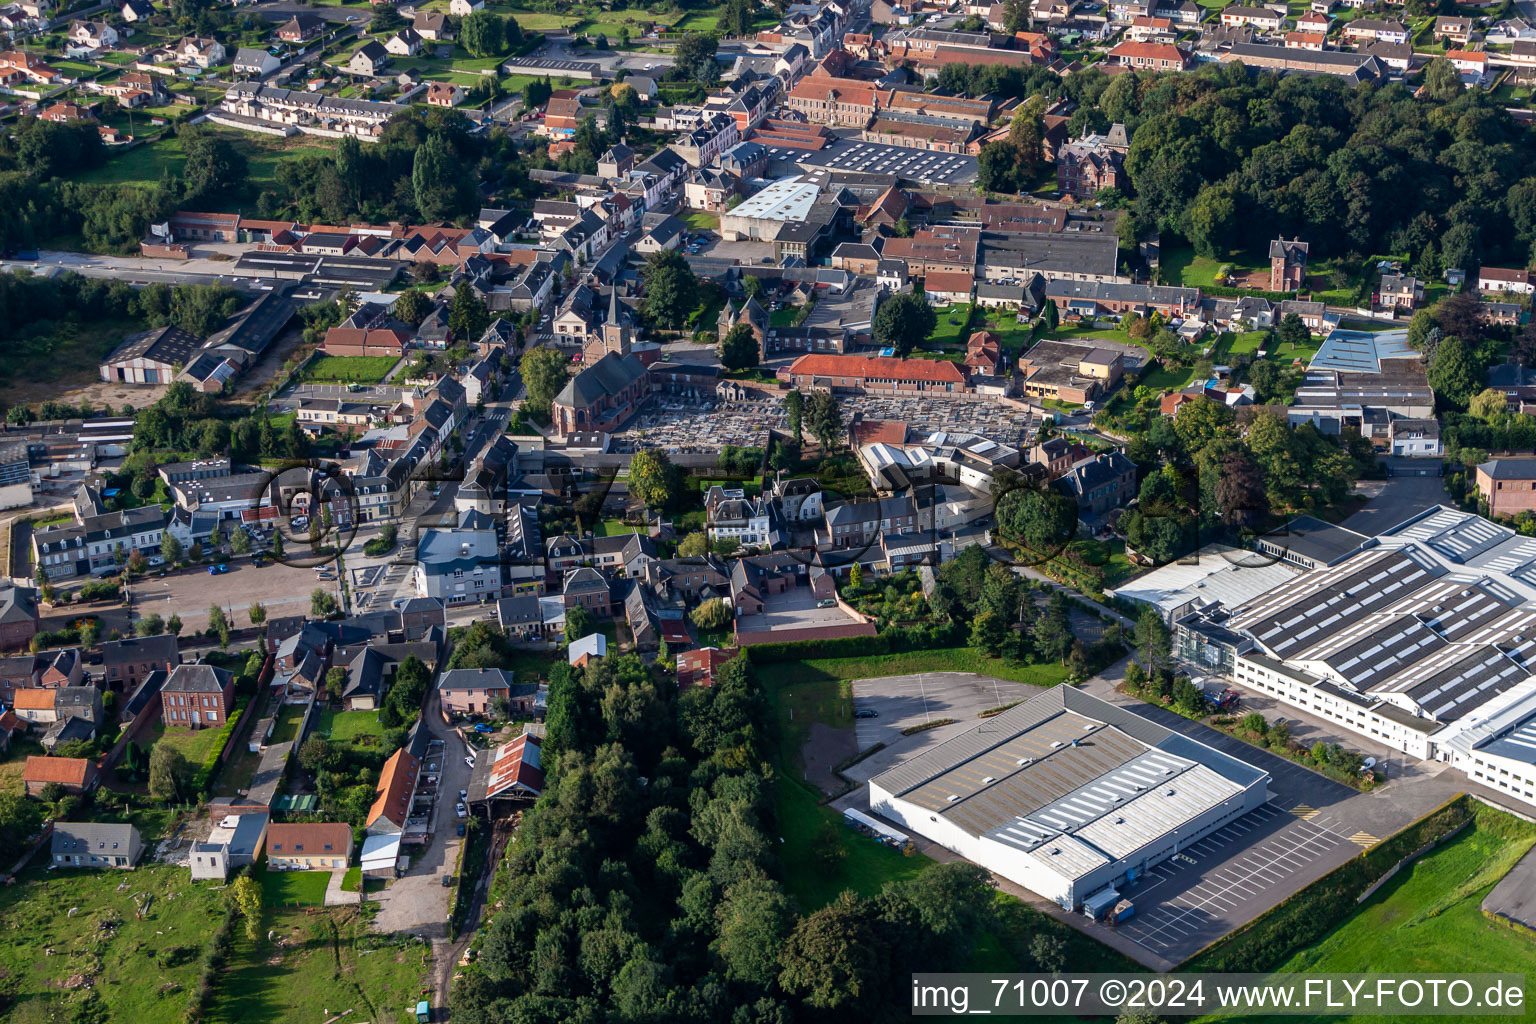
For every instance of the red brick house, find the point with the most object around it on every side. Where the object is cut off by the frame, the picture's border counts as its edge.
(197, 696)
(358, 341)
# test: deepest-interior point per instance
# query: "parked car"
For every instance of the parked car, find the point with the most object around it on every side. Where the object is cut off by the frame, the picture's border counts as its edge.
(461, 810)
(218, 570)
(1368, 764)
(463, 794)
(447, 881)
(469, 761)
(461, 829)
(866, 713)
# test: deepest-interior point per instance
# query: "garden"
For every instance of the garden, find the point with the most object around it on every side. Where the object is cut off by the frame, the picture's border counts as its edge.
(348, 369)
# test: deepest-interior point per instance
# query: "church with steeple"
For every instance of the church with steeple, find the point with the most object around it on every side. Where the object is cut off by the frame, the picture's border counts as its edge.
(753, 315)
(616, 334)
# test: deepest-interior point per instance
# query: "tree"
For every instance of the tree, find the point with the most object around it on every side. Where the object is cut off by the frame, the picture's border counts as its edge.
(671, 288)
(409, 687)
(1048, 315)
(831, 959)
(150, 625)
(856, 576)
(754, 920)
(653, 478)
(737, 19)
(257, 612)
(711, 614)
(1240, 495)
(322, 603)
(543, 371)
(1442, 82)
(174, 625)
(317, 755)
(467, 315)
(482, 35)
(245, 896)
(218, 624)
(170, 548)
(1044, 520)
(90, 633)
(694, 545)
(1454, 372)
(739, 348)
(440, 185)
(794, 409)
(694, 58)
(536, 93)
(902, 322)
(1293, 331)
(1488, 405)
(1154, 644)
(240, 541)
(335, 682)
(825, 420)
(412, 306)
(170, 776)
(579, 622)
(213, 167)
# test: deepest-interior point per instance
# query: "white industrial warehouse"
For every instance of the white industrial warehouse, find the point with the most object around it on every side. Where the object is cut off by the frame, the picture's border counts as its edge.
(1423, 639)
(1068, 795)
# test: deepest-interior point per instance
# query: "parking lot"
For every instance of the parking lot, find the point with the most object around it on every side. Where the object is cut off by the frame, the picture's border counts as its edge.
(1233, 875)
(282, 589)
(903, 701)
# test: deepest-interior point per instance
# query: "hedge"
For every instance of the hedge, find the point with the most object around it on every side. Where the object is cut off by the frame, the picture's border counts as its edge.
(214, 958)
(1306, 917)
(204, 776)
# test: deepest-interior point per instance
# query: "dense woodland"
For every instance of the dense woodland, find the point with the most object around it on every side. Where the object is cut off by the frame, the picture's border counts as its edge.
(1230, 160)
(645, 885)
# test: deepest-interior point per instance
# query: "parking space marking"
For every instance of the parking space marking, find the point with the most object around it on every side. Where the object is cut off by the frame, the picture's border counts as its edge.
(1226, 887)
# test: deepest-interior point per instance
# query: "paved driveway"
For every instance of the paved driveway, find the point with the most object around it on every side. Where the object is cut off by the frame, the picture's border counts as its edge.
(417, 902)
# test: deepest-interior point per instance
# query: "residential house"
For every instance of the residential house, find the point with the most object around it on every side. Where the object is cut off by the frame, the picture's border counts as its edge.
(434, 26)
(125, 663)
(1503, 279)
(369, 59)
(200, 52)
(1370, 30)
(1151, 56)
(444, 94)
(405, 43)
(589, 589)
(1262, 18)
(1100, 483)
(1414, 438)
(254, 62)
(464, 8)
(472, 691)
(1398, 291)
(308, 846)
(583, 650)
(1457, 31)
(234, 842)
(1288, 264)
(197, 696)
(301, 28)
(19, 619)
(95, 844)
(698, 668)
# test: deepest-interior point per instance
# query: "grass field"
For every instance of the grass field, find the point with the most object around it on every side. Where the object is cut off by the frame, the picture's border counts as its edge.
(293, 888)
(321, 965)
(144, 165)
(783, 317)
(349, 726)
(865, 865)
(699, 220)
(951, 328)
(347, 369)
(59, 352)
(195, 744)
(138, 969)
(1181, 266)
(1428, 919)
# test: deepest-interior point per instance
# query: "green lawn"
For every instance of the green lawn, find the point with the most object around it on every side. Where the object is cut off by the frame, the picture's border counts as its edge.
(1238, 345)
(287, 728)
(140, 968)
(1428, 919)
(349, 726)
(613, 528)
(783, 317)
(195, 744)
(326, 963)
(1179, 265)
(144, 165)
(361, 369)
(699, 220)
(293, 888)
(865, 865)
(952, 326)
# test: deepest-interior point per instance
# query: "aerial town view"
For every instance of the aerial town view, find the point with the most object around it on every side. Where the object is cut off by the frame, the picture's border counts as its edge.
(666, 512)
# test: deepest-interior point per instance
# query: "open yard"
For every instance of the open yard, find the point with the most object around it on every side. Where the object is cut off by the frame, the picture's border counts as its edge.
(320, 965)
(350, 727)
(57, 965)
(195, 744)
(951, 328)
(293, 888)
(57, 355)
(349, 369)
(144, 165)
(287, 728)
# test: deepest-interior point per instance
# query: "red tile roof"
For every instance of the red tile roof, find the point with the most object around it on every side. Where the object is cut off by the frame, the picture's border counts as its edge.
(396, 781)
(949, 281)
(309, 839)
(67, 771)
(516, 765)
(935, 371)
